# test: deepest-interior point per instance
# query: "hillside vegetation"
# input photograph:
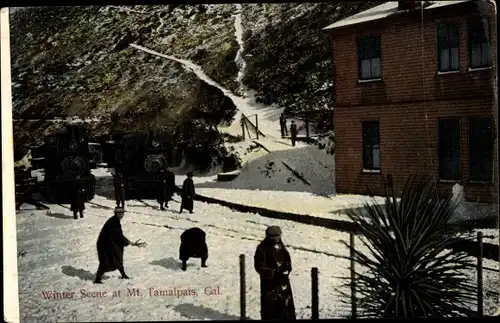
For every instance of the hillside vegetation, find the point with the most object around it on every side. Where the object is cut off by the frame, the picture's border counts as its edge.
(77, 61)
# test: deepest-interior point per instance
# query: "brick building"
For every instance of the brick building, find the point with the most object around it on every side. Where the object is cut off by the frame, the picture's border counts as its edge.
(414, 87)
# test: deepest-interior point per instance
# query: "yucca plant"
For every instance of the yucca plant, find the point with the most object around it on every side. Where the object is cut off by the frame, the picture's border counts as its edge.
(410, 268)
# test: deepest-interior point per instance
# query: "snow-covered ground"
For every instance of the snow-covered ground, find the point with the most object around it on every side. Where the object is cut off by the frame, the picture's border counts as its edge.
(293, 202)
(58, 253)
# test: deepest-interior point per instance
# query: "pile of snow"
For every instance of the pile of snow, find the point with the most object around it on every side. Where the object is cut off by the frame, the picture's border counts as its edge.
(467, 211)
(273, 168)
(267, 173)
(316, 166)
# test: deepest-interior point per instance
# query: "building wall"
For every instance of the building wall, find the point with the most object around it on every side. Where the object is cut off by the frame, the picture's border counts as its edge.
(408, 145)
(407, 101)
(409, 61)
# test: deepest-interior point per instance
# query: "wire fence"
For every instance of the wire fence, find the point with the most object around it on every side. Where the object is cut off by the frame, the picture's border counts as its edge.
(309, 124)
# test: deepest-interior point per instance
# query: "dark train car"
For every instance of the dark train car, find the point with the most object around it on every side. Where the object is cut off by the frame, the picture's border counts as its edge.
(64, 155)
(139, 157)
(96, 153)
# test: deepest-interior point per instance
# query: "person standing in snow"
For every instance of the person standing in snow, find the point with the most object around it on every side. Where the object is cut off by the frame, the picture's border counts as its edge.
(293, 132)
(273, 264)
(110, 245)
(167, 188)
(119, 190)
(162, 190)
(187, 193)
(283, 125)
(78, 197)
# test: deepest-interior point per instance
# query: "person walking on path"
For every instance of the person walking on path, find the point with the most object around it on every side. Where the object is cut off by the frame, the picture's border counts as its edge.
(273, 264)
(283, 128)
(293, 132)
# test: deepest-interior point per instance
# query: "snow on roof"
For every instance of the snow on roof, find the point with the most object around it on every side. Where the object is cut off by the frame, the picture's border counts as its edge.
(383, 11)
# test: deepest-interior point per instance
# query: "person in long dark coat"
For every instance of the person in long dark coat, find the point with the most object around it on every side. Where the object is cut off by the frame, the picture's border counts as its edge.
(110, 245)
(193, 245)
(78, 197)
(284, 131)
(187, 194)
(293, 132)
(162, 190)
(166, 188)
(272, 262)
(170, 185)
(119, 190)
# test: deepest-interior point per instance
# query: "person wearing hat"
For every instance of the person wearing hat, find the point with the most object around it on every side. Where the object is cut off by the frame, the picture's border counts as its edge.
(78, 197)
(187, 194)
(273, 264)
(110, 246)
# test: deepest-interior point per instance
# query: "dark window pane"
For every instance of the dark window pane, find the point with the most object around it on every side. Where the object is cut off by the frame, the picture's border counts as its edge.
(481, 149)
(371, 148)
(479, 43)
(448, 48)
(449, 149)
(369, 58)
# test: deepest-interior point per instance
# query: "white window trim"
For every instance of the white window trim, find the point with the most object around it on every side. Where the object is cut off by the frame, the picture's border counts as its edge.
(473, 69)
(450, 180)
(448, 72)
(370, 80)
(373, 171)
(480, 182)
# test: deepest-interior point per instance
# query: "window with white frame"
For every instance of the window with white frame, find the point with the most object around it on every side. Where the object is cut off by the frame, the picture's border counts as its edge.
(448, 48)
(369, 58)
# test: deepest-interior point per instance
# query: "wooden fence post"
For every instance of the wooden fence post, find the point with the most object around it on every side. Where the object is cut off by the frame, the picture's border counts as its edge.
(353, 278)
(257, 125)
(242, 288)
(314, 298)
(307, 125)
(480, 274)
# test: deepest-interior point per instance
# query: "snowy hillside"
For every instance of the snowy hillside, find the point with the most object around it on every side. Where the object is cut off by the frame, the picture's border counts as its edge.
(81, 64)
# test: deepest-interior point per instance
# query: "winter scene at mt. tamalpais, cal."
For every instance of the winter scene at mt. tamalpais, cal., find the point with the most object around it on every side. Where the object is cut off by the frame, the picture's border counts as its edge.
(255, 161)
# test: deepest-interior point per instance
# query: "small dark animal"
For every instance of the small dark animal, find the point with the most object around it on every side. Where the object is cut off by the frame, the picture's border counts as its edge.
(193, 245)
